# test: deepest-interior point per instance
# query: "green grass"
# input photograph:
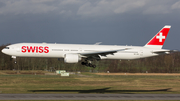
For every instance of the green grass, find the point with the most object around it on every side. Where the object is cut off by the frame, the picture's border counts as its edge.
(94, 100)
(89, 83)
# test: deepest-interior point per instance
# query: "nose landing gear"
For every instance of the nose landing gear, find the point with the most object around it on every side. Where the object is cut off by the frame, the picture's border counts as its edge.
(14, 57)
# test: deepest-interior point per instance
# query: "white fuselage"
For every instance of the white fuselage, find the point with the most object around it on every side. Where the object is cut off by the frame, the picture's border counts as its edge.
(59, 50)
(73, 53)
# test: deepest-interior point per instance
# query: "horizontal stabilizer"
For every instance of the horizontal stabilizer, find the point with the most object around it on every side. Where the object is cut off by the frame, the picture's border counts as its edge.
(165, 52)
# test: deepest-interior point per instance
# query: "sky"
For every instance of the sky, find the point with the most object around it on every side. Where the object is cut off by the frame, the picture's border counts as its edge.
(112, 22)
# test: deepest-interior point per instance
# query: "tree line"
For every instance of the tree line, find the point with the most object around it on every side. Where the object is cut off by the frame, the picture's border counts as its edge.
(160, 64)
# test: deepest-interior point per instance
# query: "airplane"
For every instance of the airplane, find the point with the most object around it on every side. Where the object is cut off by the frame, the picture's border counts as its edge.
(73, 53)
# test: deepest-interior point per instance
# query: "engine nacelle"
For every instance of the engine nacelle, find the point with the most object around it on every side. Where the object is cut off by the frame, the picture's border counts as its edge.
(71, 58)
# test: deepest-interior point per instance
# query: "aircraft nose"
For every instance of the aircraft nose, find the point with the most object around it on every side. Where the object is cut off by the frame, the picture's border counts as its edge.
(3, 50)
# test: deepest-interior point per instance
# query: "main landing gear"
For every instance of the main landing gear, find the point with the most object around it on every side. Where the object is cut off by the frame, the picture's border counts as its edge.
(88, 64)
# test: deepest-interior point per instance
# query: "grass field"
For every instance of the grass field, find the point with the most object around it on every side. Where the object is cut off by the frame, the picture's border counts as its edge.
(28, 82)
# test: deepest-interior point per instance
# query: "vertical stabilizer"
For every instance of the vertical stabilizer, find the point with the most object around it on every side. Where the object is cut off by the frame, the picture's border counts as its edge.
(158, 40)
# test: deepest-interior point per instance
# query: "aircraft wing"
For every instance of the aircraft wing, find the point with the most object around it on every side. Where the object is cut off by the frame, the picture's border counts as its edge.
(102, 53)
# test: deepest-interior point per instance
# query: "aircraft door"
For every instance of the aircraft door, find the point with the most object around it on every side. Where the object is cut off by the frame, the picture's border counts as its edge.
(17, 48)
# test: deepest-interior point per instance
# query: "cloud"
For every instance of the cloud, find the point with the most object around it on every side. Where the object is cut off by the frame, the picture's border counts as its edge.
(127, 6)
(72, 2)
(108, 7)
(26, 6)
(87, 8)
(158, 7)
(176, 5)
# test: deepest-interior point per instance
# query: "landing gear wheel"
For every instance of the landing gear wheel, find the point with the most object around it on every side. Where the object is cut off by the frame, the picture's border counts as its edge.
(83, 63)
(88, 64)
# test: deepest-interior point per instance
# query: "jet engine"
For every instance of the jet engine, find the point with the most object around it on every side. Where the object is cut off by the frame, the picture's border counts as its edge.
(71, 58)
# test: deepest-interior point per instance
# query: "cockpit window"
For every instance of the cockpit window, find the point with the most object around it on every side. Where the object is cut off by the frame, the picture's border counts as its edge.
(6, 48)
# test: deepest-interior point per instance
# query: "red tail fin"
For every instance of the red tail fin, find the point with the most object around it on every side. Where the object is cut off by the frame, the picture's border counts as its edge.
(158, 40)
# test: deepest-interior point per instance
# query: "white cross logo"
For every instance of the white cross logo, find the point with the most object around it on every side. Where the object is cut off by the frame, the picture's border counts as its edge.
(160, 37)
